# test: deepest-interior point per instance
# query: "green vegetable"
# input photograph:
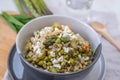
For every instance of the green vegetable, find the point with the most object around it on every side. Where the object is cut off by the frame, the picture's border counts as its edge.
(57, 69)
(62, 51)
(50, 41)
(46, 58)
(22, 18)
(20, 7)
(58, 41)
(66, 57)
(31, 8)
(11, 25)
(74, 44)
(64, 39)
(72, 61)
(50, 57)
(42, 6)
(36, 5)
(76, 53)
(84, 55)
(12, 19)
(49, 63)
(63, 64)
(81, 50)
(41, 63)
(89, 54)
(84, 66)
(52, 69)
(42, 56)
(55, 25)
(14, 23)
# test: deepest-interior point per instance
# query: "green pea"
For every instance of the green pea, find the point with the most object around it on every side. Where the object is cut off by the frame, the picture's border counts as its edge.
(72, 61)
(50, 40)
(63, 63)
(46, 58)
(84, 55)
(76, 53)
(58, 41)
(28, 45)
(89, 54)
(74, 44)
(29, 55)
(62, 51)
(54, 69)
(48, 52)
(57, 69)
(64, 39)
(41, 63)
(51, 69)
(50, 57)
(42, 56)
(66, 57)
(80, 50)
(55, 25)
(49, 63)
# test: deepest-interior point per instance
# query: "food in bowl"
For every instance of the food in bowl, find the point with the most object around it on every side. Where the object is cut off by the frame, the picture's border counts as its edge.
(58, 49)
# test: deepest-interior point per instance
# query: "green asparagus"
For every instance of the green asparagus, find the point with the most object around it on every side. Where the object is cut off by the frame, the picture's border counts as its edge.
(31, 8)
(20, 8)
(36, 5)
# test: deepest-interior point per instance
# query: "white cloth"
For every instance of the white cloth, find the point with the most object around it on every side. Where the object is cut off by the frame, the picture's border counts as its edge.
(109, 19)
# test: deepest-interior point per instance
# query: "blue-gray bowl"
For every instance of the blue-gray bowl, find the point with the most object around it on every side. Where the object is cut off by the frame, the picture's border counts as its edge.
(38, 23)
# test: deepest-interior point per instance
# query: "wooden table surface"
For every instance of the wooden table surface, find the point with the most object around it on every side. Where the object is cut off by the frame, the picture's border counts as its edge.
(7, 39)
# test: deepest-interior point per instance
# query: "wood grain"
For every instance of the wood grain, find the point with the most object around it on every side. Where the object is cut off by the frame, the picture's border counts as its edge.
(7, 39)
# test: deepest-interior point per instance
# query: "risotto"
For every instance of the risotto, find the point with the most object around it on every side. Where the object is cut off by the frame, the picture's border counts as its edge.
(58, 49)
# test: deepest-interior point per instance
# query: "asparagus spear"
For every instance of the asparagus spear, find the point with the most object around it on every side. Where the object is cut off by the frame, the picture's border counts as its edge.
(14, 23)
(36, 5)
(31, 8)
(20, 8)
(42, 6)
(11, 25)
(22, 18)
(12, 19)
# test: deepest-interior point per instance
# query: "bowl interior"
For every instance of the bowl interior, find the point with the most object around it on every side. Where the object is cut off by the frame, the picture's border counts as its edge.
(36, 24)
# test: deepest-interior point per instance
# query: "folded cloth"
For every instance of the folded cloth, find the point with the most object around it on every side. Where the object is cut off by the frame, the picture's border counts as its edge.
(6, 76)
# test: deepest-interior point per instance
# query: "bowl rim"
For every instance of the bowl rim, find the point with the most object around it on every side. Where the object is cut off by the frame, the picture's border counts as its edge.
(47, 72)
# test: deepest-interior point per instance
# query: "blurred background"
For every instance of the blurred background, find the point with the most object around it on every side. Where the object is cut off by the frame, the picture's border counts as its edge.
(15, 13)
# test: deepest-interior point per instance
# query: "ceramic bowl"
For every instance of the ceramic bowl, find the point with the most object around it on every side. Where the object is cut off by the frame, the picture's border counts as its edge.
(38, 23)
